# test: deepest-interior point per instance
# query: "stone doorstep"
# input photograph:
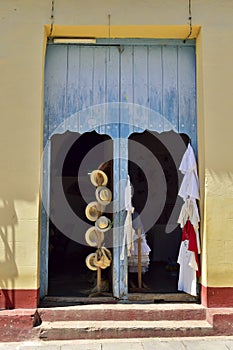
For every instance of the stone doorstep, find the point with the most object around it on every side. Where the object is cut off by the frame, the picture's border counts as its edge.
(19, 317)
(122, 312)
(221, 319)
(67, 330)
(25, 324)
(19, 324)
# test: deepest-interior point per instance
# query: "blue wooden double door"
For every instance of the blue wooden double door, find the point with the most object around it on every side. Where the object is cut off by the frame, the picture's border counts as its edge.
(129, 107)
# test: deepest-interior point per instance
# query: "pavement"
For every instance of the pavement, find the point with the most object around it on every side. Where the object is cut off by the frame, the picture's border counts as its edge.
(202, 343)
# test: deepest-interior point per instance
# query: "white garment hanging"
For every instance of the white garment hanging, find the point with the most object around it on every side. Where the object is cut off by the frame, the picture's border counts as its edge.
(128, 196)
(188, 161)
(188, 267)
(128, 227)
(189, 211)
(145, 249)
(190, 184)
(189, 191)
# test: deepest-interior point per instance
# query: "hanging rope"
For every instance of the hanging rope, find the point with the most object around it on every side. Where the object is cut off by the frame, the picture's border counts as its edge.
(190, 22)
(51, 19)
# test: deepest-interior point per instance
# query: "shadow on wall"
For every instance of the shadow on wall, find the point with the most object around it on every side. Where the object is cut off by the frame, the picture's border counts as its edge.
(8, 267)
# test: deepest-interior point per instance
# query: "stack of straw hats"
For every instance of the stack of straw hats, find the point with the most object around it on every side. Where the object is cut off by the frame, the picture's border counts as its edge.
(95, 235)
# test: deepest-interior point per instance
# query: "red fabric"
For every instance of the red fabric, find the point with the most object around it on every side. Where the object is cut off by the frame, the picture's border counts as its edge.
(189, 234)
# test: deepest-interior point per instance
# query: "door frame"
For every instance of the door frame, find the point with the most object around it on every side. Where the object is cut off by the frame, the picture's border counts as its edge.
(120, 287)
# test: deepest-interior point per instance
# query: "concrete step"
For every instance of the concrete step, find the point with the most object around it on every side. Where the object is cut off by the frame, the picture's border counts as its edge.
(124, 312)
(19, 324)
(68, 330)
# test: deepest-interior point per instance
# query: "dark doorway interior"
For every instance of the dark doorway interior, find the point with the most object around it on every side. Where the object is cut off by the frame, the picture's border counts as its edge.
(73, 157)
(157, 186)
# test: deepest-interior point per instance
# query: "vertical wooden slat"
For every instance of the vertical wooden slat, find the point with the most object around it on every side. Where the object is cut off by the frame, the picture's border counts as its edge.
(54, 109)
(170, 88)
(112, 91)
(44, 236)
(73, 87)
(116, 220)
(140, 71)
(112, 116)
(126, 89)
(187, 93)
(55, 85)
(120, 172)
(121, 156)
(86, 73)
(112, 81)
(99, 75)
(155, 87)
(99, 86)
(140, 87)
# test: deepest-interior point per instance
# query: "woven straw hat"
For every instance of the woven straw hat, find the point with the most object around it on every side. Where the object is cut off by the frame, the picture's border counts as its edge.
(99, 178)
(94, 237)
(103, 223)
(103, 195)
(103, 258)
(90, 261)
(93, 210)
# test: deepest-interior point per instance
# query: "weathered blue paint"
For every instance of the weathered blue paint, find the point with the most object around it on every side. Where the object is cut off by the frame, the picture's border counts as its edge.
(44, 240)
(120, 171)
(117, 87)
(143, 42)
(187, 93)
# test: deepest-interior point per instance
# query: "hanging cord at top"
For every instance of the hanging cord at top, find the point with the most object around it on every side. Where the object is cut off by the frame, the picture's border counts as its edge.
(52, 19)
(190, 22)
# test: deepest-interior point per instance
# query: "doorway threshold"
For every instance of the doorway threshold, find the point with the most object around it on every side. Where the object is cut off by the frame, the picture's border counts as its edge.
(56, 301)
(147, 298)
(162, 298)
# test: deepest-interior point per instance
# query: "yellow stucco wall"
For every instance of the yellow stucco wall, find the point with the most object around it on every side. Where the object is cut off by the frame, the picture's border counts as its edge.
(22, 24)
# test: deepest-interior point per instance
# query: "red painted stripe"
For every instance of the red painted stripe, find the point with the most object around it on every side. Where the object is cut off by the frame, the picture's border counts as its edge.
(217, 296)
(29, 298)
(19, 298)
